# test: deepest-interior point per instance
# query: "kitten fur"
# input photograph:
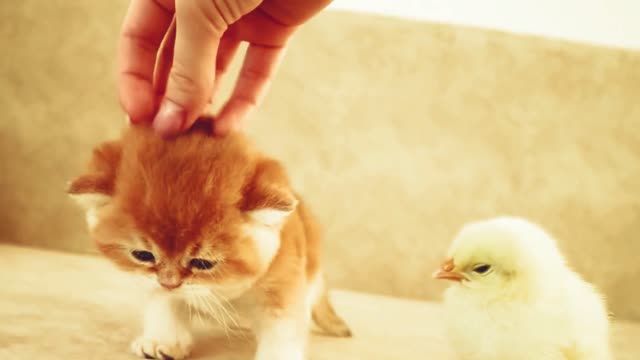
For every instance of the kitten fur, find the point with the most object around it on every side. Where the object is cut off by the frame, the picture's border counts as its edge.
(214, 199)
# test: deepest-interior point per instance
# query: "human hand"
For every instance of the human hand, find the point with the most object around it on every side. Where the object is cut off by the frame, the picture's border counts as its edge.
(170, 82)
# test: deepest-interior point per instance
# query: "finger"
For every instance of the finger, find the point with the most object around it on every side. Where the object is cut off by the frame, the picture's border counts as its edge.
(226, 50)
(254, 79)
(164, 61)
(144, 27)
(199, 28)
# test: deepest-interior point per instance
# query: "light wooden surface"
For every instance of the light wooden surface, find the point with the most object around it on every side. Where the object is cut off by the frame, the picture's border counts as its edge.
(62, 306)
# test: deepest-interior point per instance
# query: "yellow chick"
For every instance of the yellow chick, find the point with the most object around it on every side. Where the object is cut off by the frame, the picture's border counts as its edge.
(513, 297)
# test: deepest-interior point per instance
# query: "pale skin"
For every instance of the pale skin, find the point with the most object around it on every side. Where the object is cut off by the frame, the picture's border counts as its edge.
(171, 83)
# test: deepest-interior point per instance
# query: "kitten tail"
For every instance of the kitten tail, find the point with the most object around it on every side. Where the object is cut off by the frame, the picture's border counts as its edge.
(326, 318)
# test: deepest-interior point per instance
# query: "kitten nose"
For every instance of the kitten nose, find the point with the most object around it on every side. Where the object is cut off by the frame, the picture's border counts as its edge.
(169, 281)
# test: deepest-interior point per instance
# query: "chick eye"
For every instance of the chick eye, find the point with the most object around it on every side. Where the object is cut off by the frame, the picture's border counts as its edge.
(201, 264)
(143, 255)
(482, 269)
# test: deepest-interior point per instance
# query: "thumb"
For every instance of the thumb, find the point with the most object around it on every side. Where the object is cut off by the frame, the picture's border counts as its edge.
(199, 27)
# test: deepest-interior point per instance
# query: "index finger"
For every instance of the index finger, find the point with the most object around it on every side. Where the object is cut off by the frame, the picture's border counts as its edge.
(142, 33)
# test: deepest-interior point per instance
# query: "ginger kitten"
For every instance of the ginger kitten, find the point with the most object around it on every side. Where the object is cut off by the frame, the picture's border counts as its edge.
(216, 223)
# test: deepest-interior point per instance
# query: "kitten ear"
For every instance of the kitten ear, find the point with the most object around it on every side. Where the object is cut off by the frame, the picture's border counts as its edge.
(267, 198)
(90, 191)
(276, 206)
(96, 186)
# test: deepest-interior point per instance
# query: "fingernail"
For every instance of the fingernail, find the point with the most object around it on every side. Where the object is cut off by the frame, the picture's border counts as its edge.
(228, 122)
(170, 118)
(219, 128)
(236, 125)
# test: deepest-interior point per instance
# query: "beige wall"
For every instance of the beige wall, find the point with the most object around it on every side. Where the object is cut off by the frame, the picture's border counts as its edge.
(396, 132)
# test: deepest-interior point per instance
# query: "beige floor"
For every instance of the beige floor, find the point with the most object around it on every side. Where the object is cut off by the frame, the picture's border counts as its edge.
(62, 306)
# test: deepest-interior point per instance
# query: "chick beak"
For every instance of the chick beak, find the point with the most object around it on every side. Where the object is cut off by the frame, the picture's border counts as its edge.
(446, 272)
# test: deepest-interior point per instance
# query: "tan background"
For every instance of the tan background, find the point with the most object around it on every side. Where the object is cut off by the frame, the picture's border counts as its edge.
(396, 132)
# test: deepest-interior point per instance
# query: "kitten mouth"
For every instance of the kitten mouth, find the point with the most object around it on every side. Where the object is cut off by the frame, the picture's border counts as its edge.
(170, 285)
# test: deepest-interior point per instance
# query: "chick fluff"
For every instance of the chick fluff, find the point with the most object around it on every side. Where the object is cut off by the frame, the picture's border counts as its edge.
(513, 297)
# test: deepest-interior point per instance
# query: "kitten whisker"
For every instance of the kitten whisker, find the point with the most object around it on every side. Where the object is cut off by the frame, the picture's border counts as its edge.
(223, 307)
(228, 306)
(188, 302)
(199, 306)
(219, 307)
(208, 308)
(221, 311)
(220, 297)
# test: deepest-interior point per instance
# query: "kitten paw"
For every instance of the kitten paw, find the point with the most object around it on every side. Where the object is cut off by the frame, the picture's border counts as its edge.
(148, 348)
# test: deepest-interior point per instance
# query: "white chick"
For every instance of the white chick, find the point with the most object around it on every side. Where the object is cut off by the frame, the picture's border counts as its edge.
(513, 297)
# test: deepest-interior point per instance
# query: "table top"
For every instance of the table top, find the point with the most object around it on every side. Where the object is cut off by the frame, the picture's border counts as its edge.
(57, 305)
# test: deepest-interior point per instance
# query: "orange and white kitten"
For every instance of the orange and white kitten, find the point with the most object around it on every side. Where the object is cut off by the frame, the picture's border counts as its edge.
(215, 222)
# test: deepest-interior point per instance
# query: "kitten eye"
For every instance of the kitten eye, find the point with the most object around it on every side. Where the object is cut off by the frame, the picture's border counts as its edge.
(143, 255)
(482, 269)
(201, 264)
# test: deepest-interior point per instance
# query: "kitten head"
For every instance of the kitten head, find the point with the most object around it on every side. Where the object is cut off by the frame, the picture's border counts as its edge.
(190, 210)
